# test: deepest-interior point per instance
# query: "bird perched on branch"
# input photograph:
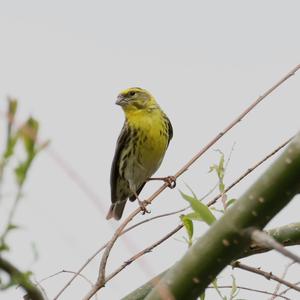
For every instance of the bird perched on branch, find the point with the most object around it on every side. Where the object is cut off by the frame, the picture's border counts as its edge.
(140, 148)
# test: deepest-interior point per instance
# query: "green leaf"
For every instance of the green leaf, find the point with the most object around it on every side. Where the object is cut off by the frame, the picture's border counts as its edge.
(12, 107)
(194, 216)
(190, 189)
(12, 227)
(20, 172)
(28, 133)
(221, 186)
(4, 247)
(234, 290)
(200, 208)
(215, 285)
(213, 168)
(230, 202)
(10, 146)
(188, 225)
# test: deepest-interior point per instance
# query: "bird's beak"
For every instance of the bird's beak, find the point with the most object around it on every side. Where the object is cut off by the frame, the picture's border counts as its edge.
(121, 100)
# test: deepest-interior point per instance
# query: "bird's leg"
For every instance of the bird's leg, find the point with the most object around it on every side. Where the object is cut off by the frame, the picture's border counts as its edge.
(142, 204)
(170, 180)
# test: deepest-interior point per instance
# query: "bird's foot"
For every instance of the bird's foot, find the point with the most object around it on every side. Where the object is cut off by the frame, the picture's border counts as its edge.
(169, 180)
(143, 207)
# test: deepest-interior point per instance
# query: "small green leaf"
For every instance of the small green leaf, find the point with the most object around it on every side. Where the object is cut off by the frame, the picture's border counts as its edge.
(10, 146)
(194, 216)
(20, 172)
(230, 202)
(4, 247)
(234, 290)
(188, 225)
(12, 107)
(190, 189)
(213, 168)
(221, 186)
(200, 208)
(29, 133)
(215, 285)
(202, 296)
(12, 227)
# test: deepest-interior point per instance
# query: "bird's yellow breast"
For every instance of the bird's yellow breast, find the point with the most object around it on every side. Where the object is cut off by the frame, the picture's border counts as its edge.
(152, 138)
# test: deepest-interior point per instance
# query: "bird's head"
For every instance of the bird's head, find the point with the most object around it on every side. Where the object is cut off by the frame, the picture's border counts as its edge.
(134, 99)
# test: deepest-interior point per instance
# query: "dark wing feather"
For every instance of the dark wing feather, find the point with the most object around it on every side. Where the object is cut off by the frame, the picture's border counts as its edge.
(132, 198)
(118, 204)
(170, 129)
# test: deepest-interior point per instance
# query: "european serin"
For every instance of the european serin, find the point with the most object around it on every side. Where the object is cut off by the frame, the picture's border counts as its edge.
(140, 148)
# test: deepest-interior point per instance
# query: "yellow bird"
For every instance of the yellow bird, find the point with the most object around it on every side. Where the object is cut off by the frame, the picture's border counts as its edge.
(140, 148)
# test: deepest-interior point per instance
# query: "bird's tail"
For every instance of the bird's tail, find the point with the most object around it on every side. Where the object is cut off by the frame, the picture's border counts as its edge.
(116, 210)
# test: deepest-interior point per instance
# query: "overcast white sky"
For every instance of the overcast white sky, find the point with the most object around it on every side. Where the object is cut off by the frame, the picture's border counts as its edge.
(205, 61)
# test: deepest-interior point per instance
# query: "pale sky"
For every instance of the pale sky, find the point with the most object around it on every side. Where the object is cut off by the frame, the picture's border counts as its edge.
(205, 61)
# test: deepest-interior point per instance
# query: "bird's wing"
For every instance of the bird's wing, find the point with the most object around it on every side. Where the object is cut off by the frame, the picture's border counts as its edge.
(170, 129)
(114, 173)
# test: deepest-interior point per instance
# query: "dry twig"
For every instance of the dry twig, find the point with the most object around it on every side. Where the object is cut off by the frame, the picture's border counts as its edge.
(267, 275)
(249, 289)
(279, 284)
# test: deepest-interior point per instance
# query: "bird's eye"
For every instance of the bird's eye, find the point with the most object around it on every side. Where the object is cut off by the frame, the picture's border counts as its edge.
(131, 93)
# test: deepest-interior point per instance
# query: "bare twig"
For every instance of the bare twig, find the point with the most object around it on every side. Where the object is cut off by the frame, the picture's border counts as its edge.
(264, 239)
(11, 215)
(103, 247)
(249, 289)
(141, 253)
(237, 120)
(267, 275)
(288, 289)
(155, 217)
(278, 285)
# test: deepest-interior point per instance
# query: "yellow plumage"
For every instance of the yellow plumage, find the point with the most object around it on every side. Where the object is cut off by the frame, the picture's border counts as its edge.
(140, 149)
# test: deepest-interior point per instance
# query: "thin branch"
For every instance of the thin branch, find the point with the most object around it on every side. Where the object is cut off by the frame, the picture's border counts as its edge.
(11, 215)
(267, 275)
(103, 247)
(155, 217)
(68, 272)
(213, 201)
(237, 120)
(288, 289)
(250, 290)
(141, 253)
(265, 240)
(278, 285)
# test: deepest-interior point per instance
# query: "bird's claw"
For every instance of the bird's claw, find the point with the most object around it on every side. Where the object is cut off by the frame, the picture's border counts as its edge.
(143, 207)
(171, 181)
